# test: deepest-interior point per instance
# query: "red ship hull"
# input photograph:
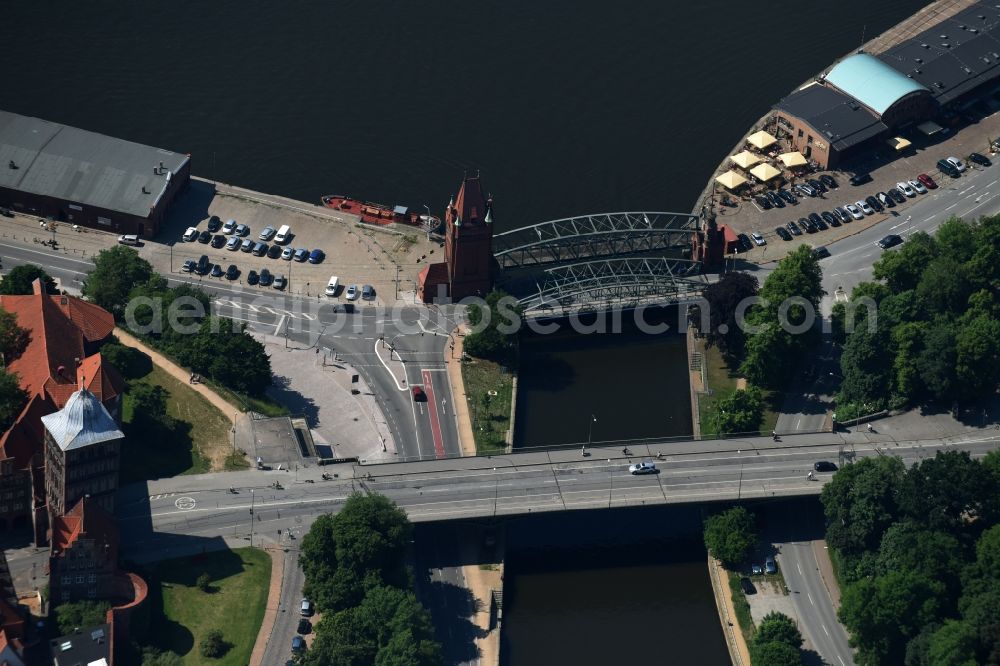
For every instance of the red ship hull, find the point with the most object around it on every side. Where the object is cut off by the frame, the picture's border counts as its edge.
(372, 213)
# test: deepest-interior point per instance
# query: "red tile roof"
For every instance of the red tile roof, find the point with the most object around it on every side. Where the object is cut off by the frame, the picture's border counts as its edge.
(470, 202)
(100, 378)
(93, 321)
(86, 519)
(25, 437)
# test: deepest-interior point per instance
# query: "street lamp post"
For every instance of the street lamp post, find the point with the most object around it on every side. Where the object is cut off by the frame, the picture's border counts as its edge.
(251, 517)
(590, 432)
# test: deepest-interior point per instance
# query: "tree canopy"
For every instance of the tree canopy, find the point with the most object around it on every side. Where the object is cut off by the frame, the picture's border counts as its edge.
(20, 278)
(730, 536)
(723, 301)
(116, 272)
(740, 412)
(777, 642)
(498, 323)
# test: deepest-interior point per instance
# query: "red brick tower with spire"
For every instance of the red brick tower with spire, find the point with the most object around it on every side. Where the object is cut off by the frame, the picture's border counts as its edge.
(469, 241)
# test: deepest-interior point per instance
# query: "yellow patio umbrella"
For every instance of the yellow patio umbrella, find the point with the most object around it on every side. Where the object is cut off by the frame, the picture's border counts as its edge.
(898, 143)
(746, 159)
(731, 180)
(760, 140)
(764, 172)
(792, 159)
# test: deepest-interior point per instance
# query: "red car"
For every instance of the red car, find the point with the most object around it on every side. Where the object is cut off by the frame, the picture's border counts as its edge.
(419, 395)
(927, 181)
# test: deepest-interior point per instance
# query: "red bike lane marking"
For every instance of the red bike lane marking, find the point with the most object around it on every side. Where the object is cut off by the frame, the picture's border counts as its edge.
(435, 420)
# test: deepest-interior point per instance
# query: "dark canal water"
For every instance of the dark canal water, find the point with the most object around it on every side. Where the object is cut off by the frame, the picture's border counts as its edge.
(567, 107)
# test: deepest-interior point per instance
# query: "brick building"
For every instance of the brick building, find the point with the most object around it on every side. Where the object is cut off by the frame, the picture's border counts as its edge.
(82, 454)
(83, 554)
(80, 177)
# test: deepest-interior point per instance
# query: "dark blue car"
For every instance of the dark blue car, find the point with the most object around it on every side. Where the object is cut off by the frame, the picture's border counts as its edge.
(316, 256)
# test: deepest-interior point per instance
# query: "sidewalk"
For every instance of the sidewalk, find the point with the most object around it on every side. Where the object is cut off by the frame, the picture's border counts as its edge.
(273, 602)
(480, 582)
(822, 554)
(738, 650)
(452, 359)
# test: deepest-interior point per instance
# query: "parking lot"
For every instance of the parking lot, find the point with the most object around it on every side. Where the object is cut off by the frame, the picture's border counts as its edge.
(886, 167)
(356, 255)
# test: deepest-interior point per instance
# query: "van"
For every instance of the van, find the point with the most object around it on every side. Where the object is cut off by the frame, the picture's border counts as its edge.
(204, 265)
(128, 239)
(332, 285)
(283, 234)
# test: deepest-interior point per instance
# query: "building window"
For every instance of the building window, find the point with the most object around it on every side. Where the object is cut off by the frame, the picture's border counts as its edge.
(67, 580)
(92, 578)
(810, 139)
(92, 592)
(801, 133)
(79, 579)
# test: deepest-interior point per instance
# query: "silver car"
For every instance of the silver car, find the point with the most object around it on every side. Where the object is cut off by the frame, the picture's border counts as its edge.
(644, 467)
(352, 293)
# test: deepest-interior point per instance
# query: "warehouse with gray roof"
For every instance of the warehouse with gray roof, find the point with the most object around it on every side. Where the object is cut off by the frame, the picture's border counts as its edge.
(80, 177)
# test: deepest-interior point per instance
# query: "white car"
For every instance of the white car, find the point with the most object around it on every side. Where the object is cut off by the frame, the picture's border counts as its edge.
(352, 293)
(287, 253)
(229, 227)
(854, 211)
(233, 244)
(332, 285)
(957, 163)
(643, 468)
(905, 188)
(191, 234)
(758, 239)
(918, 186)
(865, 208)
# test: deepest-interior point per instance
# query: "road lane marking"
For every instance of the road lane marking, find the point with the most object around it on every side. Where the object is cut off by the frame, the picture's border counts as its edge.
(435, 419)
(185, 503)
(952, 206)
(799, 567)
(810, 599)
(824, 629)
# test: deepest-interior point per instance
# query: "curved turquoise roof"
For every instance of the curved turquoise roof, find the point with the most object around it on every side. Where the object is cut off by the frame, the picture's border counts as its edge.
(872, 82)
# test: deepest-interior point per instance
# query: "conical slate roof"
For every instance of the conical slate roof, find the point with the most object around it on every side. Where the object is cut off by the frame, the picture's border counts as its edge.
(82, 422)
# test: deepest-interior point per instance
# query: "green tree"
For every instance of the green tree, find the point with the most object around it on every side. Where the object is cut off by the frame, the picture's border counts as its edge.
(945, 491)
(13, 338)
(204, 582)
(740, 412)
(132, 363)
(723, 300)
(213, 645)
(116, 271)
(884, 613)
(936, 362)
(497, 335)
(12, 399)
(954, 644)
(151, 656)
(730, 536)
(80, 614)
(778, 627)
(901, 270)
(20, 278)
(774, 653)
(860, 503)
(977, 363)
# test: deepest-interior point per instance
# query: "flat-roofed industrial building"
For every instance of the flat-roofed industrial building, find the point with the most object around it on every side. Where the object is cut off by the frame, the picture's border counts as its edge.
(81, 177)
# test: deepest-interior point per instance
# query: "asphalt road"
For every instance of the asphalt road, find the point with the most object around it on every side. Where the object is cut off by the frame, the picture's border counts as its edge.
(279, 644)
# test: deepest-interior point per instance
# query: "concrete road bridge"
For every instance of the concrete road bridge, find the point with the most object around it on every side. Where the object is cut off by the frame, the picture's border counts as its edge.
(600, 261)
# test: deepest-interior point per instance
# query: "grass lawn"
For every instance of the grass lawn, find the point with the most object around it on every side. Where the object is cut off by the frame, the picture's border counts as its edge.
(722, 380)
(181, 614)
(742, 607)
(262, 405)
(201, 433)
(490, 413)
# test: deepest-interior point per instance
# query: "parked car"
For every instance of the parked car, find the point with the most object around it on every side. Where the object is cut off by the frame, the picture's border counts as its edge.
(247, 245)
(747, 586)
(830, 218)
(306, 608)
(744, 242)
(906, 189)
(287, 253)
(896, 195)
(332, 285)
(927, 181)
(644, 467)
(865, 208)
(217, 271)
(214, 223)
(854, 211)
(305, 626)
(229, 227)
(252, 277)
(821, 252)
(806, 190)
(189, 265)
(763, 201)
(842, 214)
(885, 200)
(204, 265)
(825, 466)
(260, 249)
(190, 234)
(890, 241)
(948, 168)
(807, 225)
(775, 200)
(352, 293)
(816, 185)
(205, 237)
(298, 644)
(280, 282)
(818, 222)
(783, 233)
(829, 181)
(6, 212)
(233, 244)
(980, 159)
(267, 233)
(787, 196)
(301, 254)
(874, 204)
(757, 239)
(957, 163)
(918, 186)
(274, 252)
(769, 565)
(756, 570)
(232, 272)
(266, 278)
(794, 228)
(860, 179)
(242, 230)
(368, 292)
(317, 256)
(218, 241)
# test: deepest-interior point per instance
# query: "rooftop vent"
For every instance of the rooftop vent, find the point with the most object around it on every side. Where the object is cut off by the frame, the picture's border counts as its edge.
(967, 70)
(919, 59)
(942, 37)
(946, 45)
(12, 165)
(939, 85)
(973, 30)
(916, 71)
(926, 46)
(144, 190)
